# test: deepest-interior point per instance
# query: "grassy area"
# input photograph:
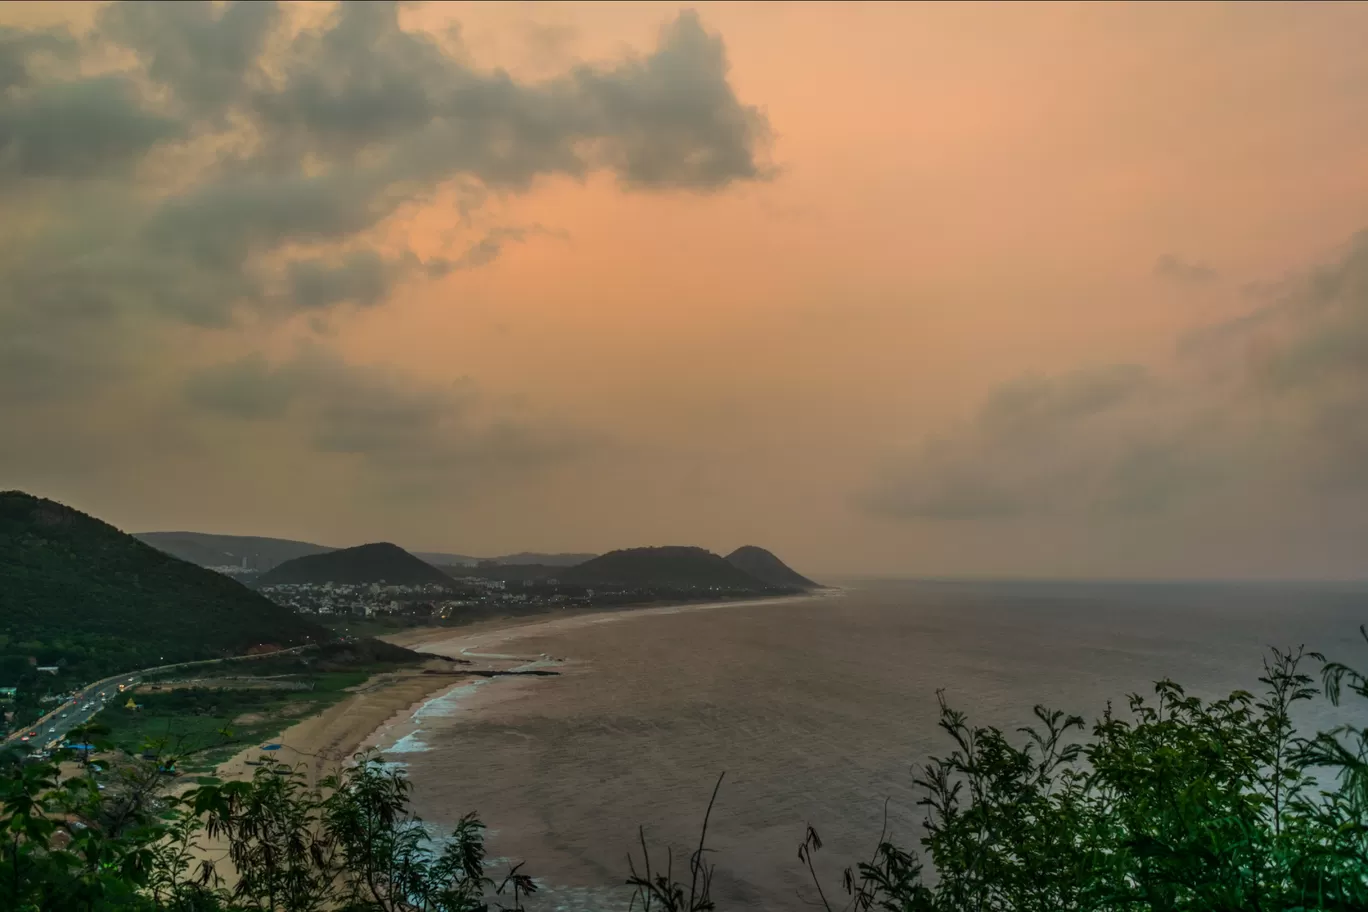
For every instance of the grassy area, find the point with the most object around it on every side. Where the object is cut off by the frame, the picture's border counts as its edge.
(206, 723)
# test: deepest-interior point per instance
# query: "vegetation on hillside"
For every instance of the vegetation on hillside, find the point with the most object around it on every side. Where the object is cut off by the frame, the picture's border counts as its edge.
(768, 568)
(1179, 806)
(379, 562)
(676, 567)
(77, 593)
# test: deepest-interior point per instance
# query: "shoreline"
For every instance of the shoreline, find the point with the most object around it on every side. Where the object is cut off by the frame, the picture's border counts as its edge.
(416, 637)
(388, 702)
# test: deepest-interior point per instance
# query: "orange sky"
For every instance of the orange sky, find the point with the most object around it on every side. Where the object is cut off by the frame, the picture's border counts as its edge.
(962, 195)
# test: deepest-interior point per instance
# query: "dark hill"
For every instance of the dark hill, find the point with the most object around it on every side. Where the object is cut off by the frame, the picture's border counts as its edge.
(76, 591)
(380, 562)
(767, 568)
(250, 552)
(672, 567)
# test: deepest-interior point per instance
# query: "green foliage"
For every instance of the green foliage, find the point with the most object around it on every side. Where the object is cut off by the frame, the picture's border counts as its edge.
(350, 843)
(78, 593)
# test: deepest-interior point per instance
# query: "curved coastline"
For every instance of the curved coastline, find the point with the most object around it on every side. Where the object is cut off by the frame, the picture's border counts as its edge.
(481, 642)
(387, 712)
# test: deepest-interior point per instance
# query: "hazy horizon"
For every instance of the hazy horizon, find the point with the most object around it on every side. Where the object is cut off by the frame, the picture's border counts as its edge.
(1042, 290)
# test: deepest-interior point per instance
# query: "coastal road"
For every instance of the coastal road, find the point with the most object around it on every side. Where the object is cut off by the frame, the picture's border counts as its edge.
(52, 729)
(80, 710)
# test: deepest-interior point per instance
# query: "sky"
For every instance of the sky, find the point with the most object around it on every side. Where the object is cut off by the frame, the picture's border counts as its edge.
(1047, 290)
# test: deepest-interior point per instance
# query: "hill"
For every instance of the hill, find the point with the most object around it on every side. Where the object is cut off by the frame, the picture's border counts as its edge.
(77, 592)
(253, 552)
(675, 567)
(248, 551)
(544, 560)
(380, 562)
(767, 568)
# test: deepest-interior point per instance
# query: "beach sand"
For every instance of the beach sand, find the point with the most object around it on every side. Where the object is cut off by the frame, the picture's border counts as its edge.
(323, 743)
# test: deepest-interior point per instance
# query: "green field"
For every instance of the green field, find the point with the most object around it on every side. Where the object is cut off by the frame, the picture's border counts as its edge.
(205, 726)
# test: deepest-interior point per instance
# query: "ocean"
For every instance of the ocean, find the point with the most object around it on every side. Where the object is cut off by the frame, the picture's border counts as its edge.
(816, 710)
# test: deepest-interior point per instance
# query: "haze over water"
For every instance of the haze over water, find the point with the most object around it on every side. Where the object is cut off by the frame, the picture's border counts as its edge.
(816, 710)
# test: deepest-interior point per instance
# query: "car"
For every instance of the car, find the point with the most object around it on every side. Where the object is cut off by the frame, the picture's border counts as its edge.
(24, 738)
(52, 730)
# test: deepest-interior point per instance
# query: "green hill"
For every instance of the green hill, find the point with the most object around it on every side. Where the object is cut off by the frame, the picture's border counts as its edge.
(675, 567)
(77, 592)
(766, 567)
(380, 562)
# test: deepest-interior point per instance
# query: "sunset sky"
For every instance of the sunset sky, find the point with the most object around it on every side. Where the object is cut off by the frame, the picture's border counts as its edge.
(1068, 290)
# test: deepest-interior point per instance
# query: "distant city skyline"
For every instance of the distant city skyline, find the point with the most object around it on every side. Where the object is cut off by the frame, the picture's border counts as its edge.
(998, 289)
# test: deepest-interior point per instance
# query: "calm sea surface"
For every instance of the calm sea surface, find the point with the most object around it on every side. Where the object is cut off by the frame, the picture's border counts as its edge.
(816, 710)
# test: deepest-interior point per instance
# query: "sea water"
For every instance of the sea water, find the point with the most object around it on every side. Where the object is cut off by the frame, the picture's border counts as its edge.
(817, 711)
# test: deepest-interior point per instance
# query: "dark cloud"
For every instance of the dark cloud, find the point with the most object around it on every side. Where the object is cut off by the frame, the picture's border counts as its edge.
(361, 277)
(80, 129)
(669, 120)
(22, 49)
(1040, 405)
(207, 53)
(357, 118)
(1187, 272)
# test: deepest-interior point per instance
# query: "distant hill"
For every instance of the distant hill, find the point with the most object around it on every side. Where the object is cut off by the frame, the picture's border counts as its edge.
(77, 591)
(253, 552)
(373, 563)
(767, 568)
(522, 558)
(207, 550)
(671, 566)
(545, 560)
(437, 558)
